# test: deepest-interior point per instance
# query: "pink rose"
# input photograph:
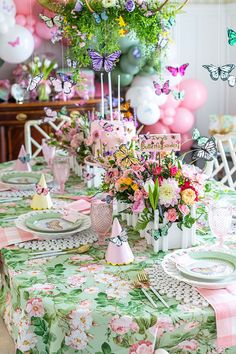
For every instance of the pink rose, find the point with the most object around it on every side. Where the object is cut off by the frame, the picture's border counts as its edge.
(142, 347)
(76, 141)
(138, 194)
(172, 215)
(156, 170)
(183, 209)
(34, 307)
(189, 345)
(122, 325)
(138, 206)
(173, 170)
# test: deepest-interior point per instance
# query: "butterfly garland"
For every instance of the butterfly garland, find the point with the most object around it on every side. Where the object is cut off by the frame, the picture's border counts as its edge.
(165, 89)
(41, 190)
(103, 61)
(25, 159)
(222, 72)
(34, 81)
(62, 83)
(120, 239)
(51, 22)
(51, 115)
(124, 157)
(206, 148)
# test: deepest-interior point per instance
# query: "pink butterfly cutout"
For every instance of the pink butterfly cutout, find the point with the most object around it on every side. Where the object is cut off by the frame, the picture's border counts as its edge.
(164, 89)
(40, 190)
(15, 43)
(175, 71)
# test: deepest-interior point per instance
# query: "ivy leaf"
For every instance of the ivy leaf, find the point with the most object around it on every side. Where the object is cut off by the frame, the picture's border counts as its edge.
(106, 349)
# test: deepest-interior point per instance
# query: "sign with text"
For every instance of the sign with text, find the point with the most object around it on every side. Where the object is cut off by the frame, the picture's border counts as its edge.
(160, 142)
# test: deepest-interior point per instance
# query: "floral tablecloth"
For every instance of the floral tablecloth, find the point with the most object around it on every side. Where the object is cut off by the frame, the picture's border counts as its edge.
(79, 304)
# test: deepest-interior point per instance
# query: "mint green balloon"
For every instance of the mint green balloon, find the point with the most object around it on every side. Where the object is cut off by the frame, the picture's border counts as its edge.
(126, 43)
(125, 79)
(126, 67)
(134, 55)
(147, 70)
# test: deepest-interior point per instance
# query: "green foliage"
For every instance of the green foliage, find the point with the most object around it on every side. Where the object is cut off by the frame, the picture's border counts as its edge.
(144, 219)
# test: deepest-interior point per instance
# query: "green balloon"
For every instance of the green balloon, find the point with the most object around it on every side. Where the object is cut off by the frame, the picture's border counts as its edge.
(147, 70)
(126, 43)
(125, 79)
(128, 68)
(134, 55)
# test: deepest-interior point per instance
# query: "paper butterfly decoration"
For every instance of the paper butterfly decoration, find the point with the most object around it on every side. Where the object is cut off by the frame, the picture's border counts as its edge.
(63, 83)
(162, 42)
(24, 159)
(100, 17)
(219, 72)
(78, 6)
(71, 63)
(51, 115)
(56, 36)
(34, 81)
(42, 191)
(126, 111)
(231, 37)
(164, 89)
(178, 95)
(206, 149)
(232, 80)
(120, 239)
(107, 61)
(178, 70)
(51, 22)
(88, 176)
(63, 112)
(15, 43)
(106, 126)
(125, 157)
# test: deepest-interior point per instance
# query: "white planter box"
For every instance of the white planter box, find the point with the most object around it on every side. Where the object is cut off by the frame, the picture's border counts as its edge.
(96, 172)
(76, 168)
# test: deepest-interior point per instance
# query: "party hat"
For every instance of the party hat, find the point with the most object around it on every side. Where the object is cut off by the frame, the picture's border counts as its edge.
(42, 199)
(118, 251)
(22, 162)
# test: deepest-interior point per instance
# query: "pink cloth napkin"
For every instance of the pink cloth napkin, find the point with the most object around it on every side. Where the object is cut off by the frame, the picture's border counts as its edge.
(223, 302)
(12, 235)
(81, 206)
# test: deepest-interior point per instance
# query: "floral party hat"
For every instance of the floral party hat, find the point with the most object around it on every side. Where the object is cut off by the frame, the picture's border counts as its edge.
(42, 199)
(118, 251)
(22, 162)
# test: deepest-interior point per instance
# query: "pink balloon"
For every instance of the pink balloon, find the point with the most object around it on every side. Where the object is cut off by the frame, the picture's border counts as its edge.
(186, 141)
(157, 128)
(168, 120)
(170, 103)
(195, 94)
(30, 20)
(21, 20)
(183, 121)
(43, 31)
(24, 7)
(170, 112)
(30, 28)
(37, 41)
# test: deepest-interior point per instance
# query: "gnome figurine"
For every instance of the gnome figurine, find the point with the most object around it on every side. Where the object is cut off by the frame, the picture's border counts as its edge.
(42, 199)
(118, 251)
(22, 162)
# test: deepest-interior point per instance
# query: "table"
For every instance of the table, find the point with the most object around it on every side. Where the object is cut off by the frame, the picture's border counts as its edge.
(78, 304)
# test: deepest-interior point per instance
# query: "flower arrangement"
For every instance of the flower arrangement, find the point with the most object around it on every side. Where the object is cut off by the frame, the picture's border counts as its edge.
(169, 186)
(72, 136)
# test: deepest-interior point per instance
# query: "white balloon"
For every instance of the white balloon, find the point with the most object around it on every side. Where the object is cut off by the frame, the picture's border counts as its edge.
(161, 351)
(148, 113)
(139, 94)
(6, 22)
(8, 7)
(17, 45)
(171, 52)
(142, 81)
(160, 100)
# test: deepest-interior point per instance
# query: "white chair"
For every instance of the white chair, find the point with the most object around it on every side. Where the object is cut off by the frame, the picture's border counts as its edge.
(32, 125)
(223, 168)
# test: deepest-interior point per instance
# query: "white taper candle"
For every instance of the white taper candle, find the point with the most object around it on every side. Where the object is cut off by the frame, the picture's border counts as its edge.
(102, 94)
(110, 95)
(119, 97)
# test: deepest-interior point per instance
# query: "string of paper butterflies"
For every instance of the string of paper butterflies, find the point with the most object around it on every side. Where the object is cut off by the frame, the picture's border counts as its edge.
(224, 72)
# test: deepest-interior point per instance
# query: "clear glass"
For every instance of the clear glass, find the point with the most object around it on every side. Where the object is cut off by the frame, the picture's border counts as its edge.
(61, 171)
(220, 221)
(101, 219)
(48, 153)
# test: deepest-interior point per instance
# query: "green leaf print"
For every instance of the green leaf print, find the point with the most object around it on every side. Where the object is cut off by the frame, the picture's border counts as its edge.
(106, 349)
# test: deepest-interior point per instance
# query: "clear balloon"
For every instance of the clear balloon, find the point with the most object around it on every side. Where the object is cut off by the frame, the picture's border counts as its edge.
(195, 94)
(17, 45)
(157, 128)
(148, 113)
(183, 121)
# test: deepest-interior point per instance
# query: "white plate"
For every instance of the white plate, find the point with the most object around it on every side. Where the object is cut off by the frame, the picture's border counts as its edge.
(24, 187)
(169, 266)
(20, 223)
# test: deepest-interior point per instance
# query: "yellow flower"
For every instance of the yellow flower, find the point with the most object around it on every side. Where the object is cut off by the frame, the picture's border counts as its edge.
(134, 186)
(121, 21)
(122, 32)
(128, 181)
(188, 196)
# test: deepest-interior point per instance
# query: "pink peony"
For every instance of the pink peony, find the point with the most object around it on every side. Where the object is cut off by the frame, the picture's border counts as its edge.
(173, 170)
(183, 209)
(34, 307)
(122, 325)
(138, 194)
(156, 170)
(142, 347)
(138, 206)
(189, 345)
(171, 215)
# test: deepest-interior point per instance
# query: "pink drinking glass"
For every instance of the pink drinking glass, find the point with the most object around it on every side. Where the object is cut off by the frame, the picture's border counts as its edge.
(48, 153)
(220, 220)
(61, 171)
(101, 219)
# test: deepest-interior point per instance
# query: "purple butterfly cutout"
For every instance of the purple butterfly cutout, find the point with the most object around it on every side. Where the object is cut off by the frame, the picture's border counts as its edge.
(164, 89)
(99, 61)
(78, 6)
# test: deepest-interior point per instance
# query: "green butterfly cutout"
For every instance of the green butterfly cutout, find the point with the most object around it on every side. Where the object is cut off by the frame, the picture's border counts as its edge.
(156, 234)
(231, 37)
(63, 111)
(178, 95)
(201, 140)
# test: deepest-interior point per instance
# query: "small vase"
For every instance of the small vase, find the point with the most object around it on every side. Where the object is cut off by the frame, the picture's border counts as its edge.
(44, 91)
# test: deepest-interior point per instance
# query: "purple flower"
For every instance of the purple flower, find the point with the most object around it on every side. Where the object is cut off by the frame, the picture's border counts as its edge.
(130, 5)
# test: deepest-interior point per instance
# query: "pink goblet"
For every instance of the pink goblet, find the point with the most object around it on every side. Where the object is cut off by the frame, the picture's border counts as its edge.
(48, 153)
(220, 220)
(101, 219)
(61, 171)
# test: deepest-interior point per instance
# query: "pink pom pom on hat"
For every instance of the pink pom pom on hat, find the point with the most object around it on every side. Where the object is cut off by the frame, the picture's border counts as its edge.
(118, 253)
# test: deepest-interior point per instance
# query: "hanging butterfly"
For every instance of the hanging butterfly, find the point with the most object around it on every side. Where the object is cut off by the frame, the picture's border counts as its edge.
(63, 83)
(41, 190)
(51, 115)
(177, 70)
(206, 152)
(178, 95)
(106, 61)
(196, 136)
(120, 239)
(63, 112)
(219, 72)
(24, 159)
(232, 80)
(51, 22)
(164, 89)
(71, 63)
(108, 127)
(231, 37)
(34, 81)
(100, 17)
(167, 24)
(162, 41)
(56, 36)
(125, 157)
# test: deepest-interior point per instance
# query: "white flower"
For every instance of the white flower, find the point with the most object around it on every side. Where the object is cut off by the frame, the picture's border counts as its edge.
(109, 3)
(77, 339)
(149, 184)
(47, 63)
(26, 341)
(81, 319)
